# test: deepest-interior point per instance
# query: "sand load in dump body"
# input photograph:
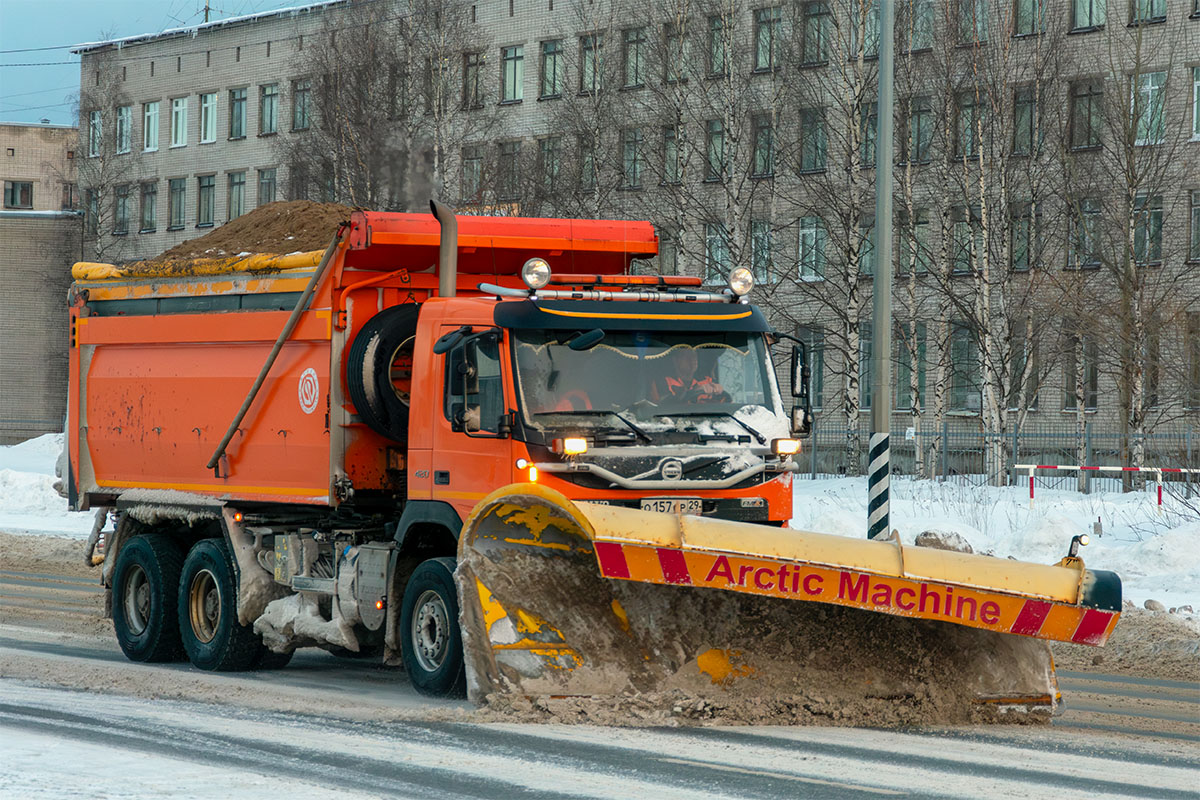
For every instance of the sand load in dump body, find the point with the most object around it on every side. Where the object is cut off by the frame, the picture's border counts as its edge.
(563, 598)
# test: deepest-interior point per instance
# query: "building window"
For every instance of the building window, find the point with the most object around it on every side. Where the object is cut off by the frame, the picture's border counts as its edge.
(588, 169)
(811, 261)
(268, 109)
(552, 69)
(91, 220)
(1085, 234)
(509, 186)
(1030, 17)
(176, 203)
(237, 113)
(631, 157)
(716, 253)
(964, 366)
(205, 200)
(590, 63)
(866, 12)
(149, 207)
(906, 339)
(635, 57)
(1147, 229)
(763, 161)
(1025, 122)
(1087, 14)
(1147, 106)
(813, 143)
(208, 118)
(677, 51)
(914, 25)
(919, 141)
(866, 349)
(472, 174)
(1196, 101)
(1141, 11)
(301, 104)
(1080, 347)
(1087, 115)
(1023, 237)
(866, 248)
(236, 200)
(672, 171)
(472, 96)
(179, 109)
(550, 163)
(966, 239)
(869, 116)
(718, 48)
(512, 73)
(266, 186)
(768, 30)
(761, 257)
(121, 210)
(1193, 359)
(95, 129)
(813, 337)
(714, 162)
(150, 126)
(1024, 357)
(814, 33)
(1194, 228)
(70, 197)
(969, 127)
(916, 251)
(124, 129)
(18, 194)
(972, 21)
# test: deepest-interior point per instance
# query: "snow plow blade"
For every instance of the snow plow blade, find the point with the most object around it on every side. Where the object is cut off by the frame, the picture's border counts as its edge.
(563, 598)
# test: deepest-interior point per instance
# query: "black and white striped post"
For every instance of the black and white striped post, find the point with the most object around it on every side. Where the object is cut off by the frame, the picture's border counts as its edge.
(878, 470)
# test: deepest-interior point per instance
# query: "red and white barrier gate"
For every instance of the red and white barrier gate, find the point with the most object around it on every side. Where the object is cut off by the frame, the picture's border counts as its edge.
(1158, 473)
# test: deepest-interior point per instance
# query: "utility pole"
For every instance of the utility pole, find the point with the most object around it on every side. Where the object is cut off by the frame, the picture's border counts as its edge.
(206, 10)
(879, 469)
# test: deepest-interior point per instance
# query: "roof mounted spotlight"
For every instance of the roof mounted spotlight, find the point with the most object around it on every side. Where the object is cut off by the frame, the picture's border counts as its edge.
(536, 273)
(741, 281)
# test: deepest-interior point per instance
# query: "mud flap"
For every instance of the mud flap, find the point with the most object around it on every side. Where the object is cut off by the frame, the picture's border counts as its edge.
(540, 621)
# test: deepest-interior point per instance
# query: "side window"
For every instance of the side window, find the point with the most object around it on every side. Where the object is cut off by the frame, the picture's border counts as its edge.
(474, 394)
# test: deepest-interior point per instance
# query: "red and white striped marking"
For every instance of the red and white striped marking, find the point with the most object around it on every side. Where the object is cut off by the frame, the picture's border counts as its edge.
(1158, 471)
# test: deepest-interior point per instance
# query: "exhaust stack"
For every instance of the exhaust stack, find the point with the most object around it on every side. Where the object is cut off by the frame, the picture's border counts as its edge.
(447, 248)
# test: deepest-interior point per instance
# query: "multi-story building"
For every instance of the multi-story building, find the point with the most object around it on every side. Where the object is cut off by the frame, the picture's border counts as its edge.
(40, 230)
(1048, 168)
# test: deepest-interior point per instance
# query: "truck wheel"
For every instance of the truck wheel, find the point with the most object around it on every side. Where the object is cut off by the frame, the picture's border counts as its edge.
(379, 370)
(431, 642)
(208, 623)
(146, 586)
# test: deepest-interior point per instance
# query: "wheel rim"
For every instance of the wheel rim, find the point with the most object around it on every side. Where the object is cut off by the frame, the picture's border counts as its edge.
(204, 605)
(430, 631)
(136, 600)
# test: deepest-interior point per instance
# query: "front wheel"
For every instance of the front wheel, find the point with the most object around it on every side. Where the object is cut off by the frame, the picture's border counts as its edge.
(208, 622)
(431, 642)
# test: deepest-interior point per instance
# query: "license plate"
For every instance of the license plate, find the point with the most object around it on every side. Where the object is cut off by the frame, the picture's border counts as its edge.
(673, 505)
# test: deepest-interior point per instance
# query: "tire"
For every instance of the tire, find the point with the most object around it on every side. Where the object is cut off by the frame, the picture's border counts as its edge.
(145, 594)
(208, 623)
(430, 639)
(368, 370)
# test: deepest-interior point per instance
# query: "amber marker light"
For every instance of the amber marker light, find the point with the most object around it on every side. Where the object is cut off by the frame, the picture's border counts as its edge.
(237, 516)
(785, 447)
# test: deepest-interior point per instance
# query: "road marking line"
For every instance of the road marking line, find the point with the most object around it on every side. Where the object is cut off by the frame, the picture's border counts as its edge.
(764, 773)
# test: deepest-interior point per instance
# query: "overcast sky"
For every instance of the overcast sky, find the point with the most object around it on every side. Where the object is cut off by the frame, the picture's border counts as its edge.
(48, 90)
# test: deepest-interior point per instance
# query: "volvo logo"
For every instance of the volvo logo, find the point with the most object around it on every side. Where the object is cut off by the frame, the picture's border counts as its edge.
(671, 469)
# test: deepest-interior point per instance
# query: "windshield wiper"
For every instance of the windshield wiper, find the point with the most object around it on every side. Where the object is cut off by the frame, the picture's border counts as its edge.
(761, 439)
(592, 412)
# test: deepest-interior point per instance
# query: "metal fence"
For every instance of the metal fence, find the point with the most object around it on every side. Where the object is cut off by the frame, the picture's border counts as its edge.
(954, 451)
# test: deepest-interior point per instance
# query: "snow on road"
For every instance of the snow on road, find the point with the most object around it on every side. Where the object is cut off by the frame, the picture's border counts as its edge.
(1156, 551)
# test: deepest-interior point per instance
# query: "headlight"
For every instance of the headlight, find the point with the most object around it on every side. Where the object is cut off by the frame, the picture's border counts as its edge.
(536, 273)
(741, 281)
(785, 447)
(570, 446)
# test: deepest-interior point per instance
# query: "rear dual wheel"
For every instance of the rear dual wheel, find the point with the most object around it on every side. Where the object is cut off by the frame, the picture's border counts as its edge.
(145, 584)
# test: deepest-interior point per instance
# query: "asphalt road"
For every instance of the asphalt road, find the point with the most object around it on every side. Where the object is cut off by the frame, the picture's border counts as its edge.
(78, 720)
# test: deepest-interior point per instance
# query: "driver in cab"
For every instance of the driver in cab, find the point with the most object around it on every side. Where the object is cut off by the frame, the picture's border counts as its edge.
(685, 386)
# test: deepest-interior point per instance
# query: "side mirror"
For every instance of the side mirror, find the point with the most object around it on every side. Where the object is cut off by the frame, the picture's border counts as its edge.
(448, 341)
(800, 372)
(801, 421)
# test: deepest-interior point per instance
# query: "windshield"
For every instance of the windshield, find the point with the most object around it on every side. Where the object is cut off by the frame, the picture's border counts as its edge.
(638, 374)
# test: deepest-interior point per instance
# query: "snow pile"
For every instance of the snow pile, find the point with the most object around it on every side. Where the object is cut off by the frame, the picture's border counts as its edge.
(1156, 552)
(28, 502)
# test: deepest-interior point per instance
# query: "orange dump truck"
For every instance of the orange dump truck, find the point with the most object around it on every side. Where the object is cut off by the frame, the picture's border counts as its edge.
(394, 445)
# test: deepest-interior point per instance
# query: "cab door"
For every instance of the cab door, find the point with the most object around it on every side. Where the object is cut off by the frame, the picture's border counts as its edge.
(471, 449)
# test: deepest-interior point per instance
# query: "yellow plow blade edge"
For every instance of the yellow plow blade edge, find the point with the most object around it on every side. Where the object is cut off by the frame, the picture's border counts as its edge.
(578, 599)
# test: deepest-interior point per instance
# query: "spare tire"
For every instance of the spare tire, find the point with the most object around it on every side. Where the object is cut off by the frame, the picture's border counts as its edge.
(384, 345)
